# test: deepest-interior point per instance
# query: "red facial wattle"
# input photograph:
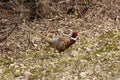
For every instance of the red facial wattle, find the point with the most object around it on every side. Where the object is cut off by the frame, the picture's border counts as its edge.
(75, 33)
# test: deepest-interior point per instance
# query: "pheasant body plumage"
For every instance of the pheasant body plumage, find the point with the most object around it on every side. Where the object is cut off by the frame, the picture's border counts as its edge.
(61, 43)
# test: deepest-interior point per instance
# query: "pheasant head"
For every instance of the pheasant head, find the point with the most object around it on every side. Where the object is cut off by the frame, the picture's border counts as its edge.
(74, 35)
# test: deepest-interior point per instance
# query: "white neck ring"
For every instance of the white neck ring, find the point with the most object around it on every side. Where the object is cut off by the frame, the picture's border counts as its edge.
(73, 38)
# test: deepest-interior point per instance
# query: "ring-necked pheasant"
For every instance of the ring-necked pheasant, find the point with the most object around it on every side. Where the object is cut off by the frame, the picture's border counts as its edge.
(60, 43)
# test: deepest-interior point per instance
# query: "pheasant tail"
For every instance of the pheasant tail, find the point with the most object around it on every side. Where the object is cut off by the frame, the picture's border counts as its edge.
(39, 34)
